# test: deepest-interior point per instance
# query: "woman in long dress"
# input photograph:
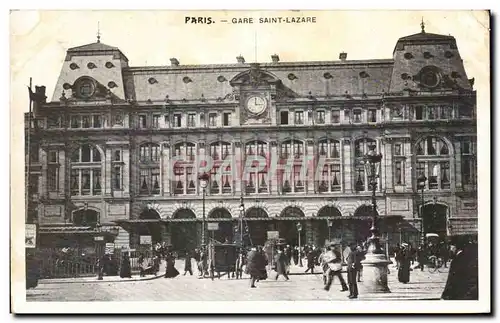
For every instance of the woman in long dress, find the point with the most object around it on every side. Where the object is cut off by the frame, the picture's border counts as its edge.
(170, 271)
(404, 259)
(125, 271)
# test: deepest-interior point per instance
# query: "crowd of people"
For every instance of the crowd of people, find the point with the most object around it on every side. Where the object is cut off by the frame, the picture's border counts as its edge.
(461, 283)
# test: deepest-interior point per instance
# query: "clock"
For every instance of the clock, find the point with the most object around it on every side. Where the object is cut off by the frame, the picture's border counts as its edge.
(256, 104)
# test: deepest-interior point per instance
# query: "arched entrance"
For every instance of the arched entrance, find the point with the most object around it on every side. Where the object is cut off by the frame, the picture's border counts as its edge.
(225, 231)
(184, 233)
(85, 218)
(153, 229)
(257, 230)
(362, 228)
(288, 228)
(435, 216)
(328, 229)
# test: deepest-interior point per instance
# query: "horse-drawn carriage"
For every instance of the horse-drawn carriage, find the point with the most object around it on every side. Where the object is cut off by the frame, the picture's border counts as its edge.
(223, 258)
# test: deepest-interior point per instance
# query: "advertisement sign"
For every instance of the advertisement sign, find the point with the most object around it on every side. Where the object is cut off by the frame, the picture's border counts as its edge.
(145, 240)
(213, 226)
(30, 236)
(273, 235)
(109, 249)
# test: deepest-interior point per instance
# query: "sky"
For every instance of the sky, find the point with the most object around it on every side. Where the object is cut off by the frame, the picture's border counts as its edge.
(39, 39)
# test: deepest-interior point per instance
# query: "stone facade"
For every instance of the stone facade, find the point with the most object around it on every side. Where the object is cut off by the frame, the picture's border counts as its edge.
(107, 141)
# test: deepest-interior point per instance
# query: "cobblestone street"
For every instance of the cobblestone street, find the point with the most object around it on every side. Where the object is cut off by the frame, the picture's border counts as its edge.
(423, 285)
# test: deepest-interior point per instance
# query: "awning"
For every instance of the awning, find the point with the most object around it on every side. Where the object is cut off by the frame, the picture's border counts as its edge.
(68, 230)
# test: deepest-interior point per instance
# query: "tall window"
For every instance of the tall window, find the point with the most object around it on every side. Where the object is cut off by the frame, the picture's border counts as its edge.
(398, 173)
(53, 171)
(292, 148)
(299, 117)
(468, 167)
(149, 169)
(335, 116)
(191, 122)
(357, 116)
(177, 121)
(320, 117)
(212, 119)
(257, 181)
(372, 115)
(361, 148)
(86, 165)
(117, 176)
(156, 121)
(330, 178)
(226, 119)
(433, 160)
(186, 151)
(143, 122)
(284, 117)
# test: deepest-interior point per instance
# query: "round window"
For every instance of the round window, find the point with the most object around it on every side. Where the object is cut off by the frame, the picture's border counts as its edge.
(86, 88)
(429, 78)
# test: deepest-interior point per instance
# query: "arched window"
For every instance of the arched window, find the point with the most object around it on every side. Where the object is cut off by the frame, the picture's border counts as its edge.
(220, 150)
(433, 161)
(85, 178)
(361, 148)
(220, 174)
(257, 180)
(330, 178)
(149, 169)
(186, 151)
(292, 148)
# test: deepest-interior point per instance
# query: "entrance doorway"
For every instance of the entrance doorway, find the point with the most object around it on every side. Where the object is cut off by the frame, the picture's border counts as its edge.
(184, 234)
(225, 231)
(288, 228)
(154, 229)
(434, 216)
(257, 230)
(85, 218)
(363, 226)
(328, 229)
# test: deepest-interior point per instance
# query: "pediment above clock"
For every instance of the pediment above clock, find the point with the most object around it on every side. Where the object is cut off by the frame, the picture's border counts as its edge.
(254, 76)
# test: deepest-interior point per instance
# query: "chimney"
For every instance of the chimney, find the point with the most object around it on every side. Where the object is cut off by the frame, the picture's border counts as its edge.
(275, 58)
(174, 62)
(343, 56)
(240, 59)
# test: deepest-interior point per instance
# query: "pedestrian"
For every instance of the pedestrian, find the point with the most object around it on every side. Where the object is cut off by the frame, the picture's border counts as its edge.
(404, 258)
(462, 282)
(397, 249)
(295, 255)
(346, 253)
(255, 264)
(280, 263)
(170, 270)
(125, 271)
(240, 262)
(203, 263)
(333, 260)
(421, 257)
(310, 261)
(187, 264)
(353, 264)
(360, 257)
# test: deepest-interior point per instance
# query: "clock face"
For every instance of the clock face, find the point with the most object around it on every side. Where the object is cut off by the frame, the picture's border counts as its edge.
(256, 104)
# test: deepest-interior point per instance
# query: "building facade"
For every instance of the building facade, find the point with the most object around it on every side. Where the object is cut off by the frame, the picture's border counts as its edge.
(123, 146)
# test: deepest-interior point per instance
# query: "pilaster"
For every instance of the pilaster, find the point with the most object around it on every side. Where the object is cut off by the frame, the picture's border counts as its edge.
(347, 171)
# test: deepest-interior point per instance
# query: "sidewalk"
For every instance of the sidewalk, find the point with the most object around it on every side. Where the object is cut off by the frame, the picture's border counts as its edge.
(109, 279)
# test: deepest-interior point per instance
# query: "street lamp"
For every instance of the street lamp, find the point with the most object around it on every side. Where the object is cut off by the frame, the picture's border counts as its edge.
(203, 183)
(375, 263)
(242, 214)
(299, 229)
(421, 186)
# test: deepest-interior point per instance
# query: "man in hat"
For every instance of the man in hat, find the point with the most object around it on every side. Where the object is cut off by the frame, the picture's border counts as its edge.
(333, 260)
(462, 283)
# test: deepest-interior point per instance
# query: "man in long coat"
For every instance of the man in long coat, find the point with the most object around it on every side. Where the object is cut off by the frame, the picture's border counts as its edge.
(281, 264)
(462, 283)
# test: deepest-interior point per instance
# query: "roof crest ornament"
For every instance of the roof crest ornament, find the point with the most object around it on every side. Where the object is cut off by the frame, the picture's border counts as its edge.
(422, 26)
(98, 32)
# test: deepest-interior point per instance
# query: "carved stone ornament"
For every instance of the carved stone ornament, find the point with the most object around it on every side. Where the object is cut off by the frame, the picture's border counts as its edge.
(118, 119)
(237, 144)
(274, 143)
(201, 144)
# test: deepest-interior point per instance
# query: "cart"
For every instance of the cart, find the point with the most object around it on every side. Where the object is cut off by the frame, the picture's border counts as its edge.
(222, 259)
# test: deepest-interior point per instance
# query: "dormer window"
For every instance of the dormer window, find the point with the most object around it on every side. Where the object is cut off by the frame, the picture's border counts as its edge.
(85, 88)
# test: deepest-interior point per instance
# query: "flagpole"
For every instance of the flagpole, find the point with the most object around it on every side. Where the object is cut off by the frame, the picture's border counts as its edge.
(28, 162)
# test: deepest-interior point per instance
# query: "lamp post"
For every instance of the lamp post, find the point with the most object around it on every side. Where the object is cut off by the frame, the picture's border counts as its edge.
(299, 229)
(242, 214)
(421, 186)
(203, 183)
(375, 263)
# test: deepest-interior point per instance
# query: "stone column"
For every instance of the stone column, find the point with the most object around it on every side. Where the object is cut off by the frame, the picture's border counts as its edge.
(126, 171)
(310, 165)
(106, 177)
(273, 169)
(62, 173)
(44, 184)
(456, 175)
(309, 232)
(409, 165)
(387, 165)
(237, 168)
(347, 171)
(166, 172)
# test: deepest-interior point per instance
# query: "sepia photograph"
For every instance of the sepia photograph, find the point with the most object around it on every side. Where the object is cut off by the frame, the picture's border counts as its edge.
(297, 158)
